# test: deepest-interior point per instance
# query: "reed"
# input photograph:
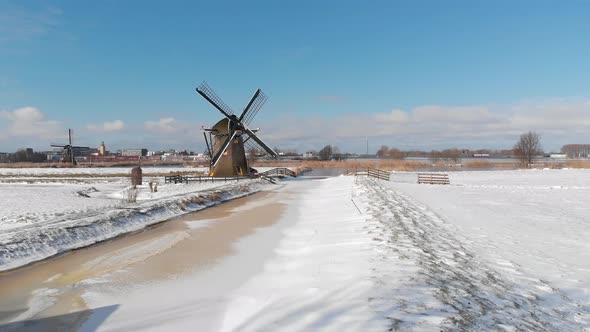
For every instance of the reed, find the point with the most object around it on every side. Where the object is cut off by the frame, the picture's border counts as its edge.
(577, 164)
(389, 164)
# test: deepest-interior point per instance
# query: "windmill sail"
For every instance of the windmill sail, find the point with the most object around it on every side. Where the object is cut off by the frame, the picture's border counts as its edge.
(208, 93)
(253, 107)
(260, 143)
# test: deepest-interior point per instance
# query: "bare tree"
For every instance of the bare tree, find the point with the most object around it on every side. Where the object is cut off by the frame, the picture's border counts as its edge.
(326, 152)
(252, 155)
(453, 154)
(383, 151)
(527, 147)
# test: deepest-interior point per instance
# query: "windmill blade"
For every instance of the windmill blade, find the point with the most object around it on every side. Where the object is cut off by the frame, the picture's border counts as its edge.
(254, 108)
(209, 154)
(260, 142)
(256, 94)
(219, 153)
(258, 99)
(251, 146)
(207, 93)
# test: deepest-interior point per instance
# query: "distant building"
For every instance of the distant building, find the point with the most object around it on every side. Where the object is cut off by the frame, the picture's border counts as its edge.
(102, 150)
(54, 155)
(84, 151)
(308, 155)
(134, 152)
(576, 150)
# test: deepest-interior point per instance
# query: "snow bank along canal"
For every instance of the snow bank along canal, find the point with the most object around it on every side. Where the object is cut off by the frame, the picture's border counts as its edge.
(193, 242)
(38, 221)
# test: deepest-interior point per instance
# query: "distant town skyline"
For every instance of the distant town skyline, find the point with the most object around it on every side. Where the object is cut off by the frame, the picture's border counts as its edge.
(421, 75)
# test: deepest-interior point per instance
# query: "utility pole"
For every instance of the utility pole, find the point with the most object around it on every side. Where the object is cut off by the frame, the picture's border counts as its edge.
(367, 146)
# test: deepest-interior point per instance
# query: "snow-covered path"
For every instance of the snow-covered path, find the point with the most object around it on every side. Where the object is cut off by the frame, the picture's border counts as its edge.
(478, 295)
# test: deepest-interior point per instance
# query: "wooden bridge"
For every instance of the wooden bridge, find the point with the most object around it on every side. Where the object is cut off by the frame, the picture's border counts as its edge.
(280, 172)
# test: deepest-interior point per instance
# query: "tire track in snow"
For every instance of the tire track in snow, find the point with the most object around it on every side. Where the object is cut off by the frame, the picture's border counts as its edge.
(477, 296)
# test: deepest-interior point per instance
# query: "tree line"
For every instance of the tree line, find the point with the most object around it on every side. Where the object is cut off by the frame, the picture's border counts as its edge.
(23, 155)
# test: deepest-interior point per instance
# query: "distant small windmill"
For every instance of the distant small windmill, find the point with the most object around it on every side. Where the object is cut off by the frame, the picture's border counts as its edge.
(230, 137)
(68, 149)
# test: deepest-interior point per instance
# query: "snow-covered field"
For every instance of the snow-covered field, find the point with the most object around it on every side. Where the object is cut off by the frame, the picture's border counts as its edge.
(531, 225)
(40, 220)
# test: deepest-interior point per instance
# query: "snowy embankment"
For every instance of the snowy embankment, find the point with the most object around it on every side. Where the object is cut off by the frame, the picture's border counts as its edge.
(39, 221)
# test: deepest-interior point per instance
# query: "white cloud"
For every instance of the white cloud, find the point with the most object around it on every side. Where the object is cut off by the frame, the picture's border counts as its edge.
(28, 122)
(558, 120)
(171, 132)
(164, 125)
(115, 125)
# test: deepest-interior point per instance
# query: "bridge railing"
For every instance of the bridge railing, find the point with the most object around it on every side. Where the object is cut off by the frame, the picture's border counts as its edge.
(281, 171)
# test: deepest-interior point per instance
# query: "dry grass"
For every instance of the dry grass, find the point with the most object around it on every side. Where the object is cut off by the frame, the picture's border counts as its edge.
(36, 165)
(491, 164)
(131, 194)
(103, 164)
(577, 164)
(101, 175)
(390, 165)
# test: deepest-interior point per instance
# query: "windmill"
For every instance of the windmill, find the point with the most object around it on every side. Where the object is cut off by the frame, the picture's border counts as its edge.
(230, 138)
(68, 149)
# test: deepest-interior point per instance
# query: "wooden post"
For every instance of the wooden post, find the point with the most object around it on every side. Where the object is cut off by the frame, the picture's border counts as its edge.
(136, 177)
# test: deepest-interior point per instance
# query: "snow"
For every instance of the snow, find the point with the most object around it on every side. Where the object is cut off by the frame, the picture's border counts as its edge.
(468, 256)
(537, 221)
(322, 275)
(332, 270)
(40, 220)
(495, 250)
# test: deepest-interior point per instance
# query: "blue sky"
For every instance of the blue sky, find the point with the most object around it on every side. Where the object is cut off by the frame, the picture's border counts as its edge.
(412, 74)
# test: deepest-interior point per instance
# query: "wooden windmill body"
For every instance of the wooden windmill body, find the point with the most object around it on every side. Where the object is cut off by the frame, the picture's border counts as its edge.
(229, 137)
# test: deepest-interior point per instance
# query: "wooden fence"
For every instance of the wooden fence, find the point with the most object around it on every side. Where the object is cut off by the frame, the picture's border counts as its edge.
(372, 172)
(379, 174)
(433, 178)
(187, 179)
